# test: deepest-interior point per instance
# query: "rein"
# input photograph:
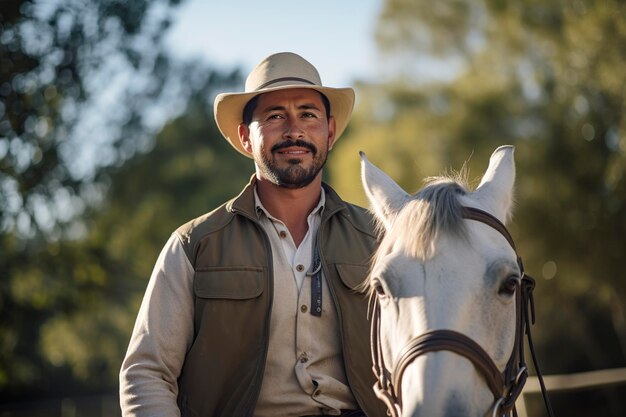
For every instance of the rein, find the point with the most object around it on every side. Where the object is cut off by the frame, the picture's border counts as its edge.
(505, 386)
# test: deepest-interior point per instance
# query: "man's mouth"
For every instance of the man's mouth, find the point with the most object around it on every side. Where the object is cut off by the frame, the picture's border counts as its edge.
(294, 148)
(290, 151)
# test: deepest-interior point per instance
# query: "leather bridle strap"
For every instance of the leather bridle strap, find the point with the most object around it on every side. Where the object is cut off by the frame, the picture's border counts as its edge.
(383, 388)
(525, 318)
(472, 213)
(449, 340)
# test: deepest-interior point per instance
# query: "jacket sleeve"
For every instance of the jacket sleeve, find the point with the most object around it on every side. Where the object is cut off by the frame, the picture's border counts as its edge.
(161, 337)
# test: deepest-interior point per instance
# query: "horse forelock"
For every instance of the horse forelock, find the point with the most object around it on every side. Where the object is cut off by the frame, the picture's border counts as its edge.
(431, 212)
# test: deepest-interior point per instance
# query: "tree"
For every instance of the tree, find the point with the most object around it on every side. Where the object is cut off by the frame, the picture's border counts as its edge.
(76, 79)
(77, 299)
(80, 82)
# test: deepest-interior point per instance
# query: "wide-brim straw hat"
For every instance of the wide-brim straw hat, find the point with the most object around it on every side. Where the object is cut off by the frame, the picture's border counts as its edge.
(279, 72)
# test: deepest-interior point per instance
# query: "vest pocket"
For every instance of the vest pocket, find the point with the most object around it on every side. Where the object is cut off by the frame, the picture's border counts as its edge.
(353, 275)
(228, 283)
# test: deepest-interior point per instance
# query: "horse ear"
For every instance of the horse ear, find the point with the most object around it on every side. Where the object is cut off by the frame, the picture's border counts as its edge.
(385, 196)
(495, 191)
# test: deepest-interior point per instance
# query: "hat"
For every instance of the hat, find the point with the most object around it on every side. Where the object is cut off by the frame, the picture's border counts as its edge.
(279, 72)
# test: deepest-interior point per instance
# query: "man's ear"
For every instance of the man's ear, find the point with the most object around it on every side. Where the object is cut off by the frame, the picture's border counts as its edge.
(331, 132)
(244, 137)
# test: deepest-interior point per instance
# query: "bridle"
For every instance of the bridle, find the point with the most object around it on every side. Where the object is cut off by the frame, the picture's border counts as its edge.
(505, 386)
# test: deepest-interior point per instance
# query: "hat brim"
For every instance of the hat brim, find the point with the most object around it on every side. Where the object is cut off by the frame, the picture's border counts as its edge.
(228, 110)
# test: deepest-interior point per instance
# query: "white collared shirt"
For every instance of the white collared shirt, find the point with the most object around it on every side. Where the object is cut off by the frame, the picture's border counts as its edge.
(304, 371)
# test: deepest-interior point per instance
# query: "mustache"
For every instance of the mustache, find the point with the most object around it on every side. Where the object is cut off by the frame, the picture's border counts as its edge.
(299, 142)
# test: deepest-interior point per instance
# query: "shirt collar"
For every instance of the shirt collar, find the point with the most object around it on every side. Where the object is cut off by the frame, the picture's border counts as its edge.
(260, 209)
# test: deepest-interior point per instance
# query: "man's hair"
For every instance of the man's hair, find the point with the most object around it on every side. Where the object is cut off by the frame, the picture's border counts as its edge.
(250, 106)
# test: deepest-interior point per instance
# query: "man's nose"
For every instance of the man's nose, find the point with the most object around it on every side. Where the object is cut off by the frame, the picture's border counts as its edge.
(293, 129)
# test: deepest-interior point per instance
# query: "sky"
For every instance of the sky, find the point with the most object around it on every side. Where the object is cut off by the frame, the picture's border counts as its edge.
(336, 36)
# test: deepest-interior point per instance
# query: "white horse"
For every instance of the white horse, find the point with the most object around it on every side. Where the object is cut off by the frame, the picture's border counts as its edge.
(448, 295)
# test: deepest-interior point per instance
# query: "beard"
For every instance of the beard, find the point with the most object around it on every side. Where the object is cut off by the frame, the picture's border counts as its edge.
(295, 175)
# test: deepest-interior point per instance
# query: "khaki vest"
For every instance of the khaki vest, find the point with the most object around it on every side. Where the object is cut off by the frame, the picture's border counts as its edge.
(233, 284)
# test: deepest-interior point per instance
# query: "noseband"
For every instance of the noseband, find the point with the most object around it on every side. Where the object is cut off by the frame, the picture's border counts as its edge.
(505, 386)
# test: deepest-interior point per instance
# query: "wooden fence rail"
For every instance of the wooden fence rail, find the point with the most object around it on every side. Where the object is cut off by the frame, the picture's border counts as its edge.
(571, 382)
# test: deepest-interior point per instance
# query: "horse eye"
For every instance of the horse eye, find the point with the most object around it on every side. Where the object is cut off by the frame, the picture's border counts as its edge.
(509, 285)
(380, 291)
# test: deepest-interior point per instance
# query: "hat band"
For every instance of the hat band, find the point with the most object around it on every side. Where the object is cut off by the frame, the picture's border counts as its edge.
(279, 80)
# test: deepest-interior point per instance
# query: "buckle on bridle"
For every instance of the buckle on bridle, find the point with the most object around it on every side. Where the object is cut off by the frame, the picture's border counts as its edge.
(523, 370)
(496, 406)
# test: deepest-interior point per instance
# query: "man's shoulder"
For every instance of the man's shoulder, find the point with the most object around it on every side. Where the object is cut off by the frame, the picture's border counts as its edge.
(214, 220)
(360, 218)
(358, 212)
(196, 229)
(352, 237)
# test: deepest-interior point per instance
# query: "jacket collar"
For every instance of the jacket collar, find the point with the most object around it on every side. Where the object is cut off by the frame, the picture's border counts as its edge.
(244, 202)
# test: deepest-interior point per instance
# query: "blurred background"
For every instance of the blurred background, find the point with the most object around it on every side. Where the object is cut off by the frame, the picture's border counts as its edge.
(107, 144)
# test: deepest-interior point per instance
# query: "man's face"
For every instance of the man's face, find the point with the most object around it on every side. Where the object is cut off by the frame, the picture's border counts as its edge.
(289, 136)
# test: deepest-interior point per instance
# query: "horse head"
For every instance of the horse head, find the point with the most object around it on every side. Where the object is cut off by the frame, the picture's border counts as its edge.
(446, 294)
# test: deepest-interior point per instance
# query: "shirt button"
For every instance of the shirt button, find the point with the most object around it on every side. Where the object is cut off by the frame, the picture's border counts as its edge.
(282, 234)
(300, 268)
(304, 308)
(304, 359)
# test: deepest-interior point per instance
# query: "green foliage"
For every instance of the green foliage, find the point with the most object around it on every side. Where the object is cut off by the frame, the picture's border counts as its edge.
(546, 76)
(58, 62)
(44, 284)
(80, 229)
(73, 302)
(69, 71)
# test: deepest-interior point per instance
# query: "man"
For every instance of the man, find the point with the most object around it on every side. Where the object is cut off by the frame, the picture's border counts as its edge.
(251, 309)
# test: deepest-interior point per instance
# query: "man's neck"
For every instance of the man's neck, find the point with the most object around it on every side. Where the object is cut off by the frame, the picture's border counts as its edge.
(292, 206)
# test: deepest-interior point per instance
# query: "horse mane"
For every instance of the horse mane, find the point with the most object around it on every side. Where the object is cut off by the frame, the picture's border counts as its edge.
(431, 212)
